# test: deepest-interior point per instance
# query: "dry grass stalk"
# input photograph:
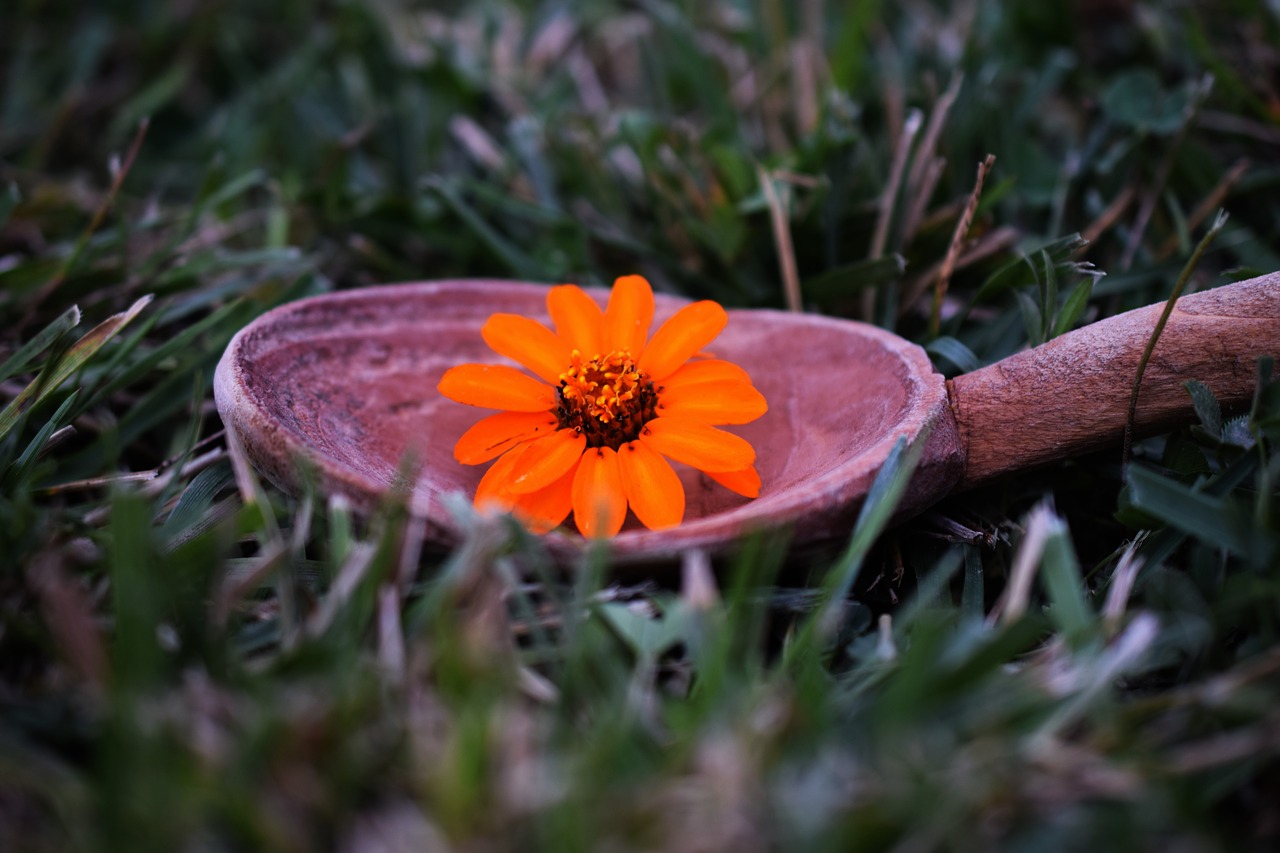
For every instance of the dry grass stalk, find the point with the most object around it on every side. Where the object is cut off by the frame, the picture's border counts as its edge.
(1110, 215)
(1122, 581)
(920, 197)
(391, 649)
(957, 242)
(586, 80)
(991, 243)
(477, 142)
(782, 239)
(697, 582)
(806, 60)
(1211, 202)
(888, 199)
(344, 586)
(1254, 742)
(1013, 602)
(1238, 125)
(236, 585)
(927, 169)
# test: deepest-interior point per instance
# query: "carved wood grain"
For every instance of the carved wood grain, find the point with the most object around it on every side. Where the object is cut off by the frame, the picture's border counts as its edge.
(1071, 395)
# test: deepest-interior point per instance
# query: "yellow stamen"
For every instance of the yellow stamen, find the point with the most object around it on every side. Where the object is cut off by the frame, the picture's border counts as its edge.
(606, 397)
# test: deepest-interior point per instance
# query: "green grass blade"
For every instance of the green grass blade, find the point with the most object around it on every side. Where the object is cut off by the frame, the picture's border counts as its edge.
(1032, 317)
(846, 281)
(878, 508)
(1073, 308)
(137, 594)
(75, 358)
(1216, 521)
(22, 465)
(196, 499)
(1064, 586)
(44, 339)
(1048, 291)
(516, 259)
(955, 352)
(231, 315)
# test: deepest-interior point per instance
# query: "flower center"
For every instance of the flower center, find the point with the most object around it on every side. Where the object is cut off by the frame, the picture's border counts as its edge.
(606, 398)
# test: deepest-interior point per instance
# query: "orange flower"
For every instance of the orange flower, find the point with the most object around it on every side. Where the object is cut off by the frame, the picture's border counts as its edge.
(593, 432)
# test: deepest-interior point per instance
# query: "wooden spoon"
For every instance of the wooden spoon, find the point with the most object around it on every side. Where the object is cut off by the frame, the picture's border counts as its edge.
(347, 382)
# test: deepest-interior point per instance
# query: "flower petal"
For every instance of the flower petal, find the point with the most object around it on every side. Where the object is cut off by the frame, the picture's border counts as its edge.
(599, 504)
(528, 342)
(577, 317)
(713, 403)
(544, 509)
(545, 460)
(703, 372)
(496, 386)
(704, 447)
(540, 511)
(689, 330)
(497, 434)
(651, 486)
(745, 482)
(627, 319)
(492, 493)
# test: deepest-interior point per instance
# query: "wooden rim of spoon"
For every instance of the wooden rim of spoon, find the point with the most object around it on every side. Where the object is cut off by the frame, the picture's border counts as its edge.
(345, 385)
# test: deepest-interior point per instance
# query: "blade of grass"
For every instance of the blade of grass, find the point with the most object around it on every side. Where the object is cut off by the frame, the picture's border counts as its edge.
(844, 282)
(22, 465)
(136, 655)
(787, 268)
(1064, 588)
(75, 358)
(888, 200)
(878, 508)
(43, 340)
(1073, 308)
(518, 261)
(1216, 521)
(231, 314)
(1218, 224)
(196, 499)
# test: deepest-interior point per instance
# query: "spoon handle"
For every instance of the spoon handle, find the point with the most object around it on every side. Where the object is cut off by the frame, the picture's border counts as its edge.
(1071, 395)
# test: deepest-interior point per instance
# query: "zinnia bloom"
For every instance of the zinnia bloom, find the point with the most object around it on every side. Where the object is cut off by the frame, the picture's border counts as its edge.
(610, 405)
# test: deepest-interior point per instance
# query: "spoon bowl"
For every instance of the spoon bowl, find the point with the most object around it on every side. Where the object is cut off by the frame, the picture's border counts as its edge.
(346, 384)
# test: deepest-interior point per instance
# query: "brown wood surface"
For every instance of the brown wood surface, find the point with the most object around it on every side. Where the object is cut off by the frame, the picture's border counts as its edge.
(1071, 395)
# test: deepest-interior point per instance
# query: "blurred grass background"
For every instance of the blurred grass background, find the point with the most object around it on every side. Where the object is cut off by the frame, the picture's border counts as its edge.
(190, 660)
